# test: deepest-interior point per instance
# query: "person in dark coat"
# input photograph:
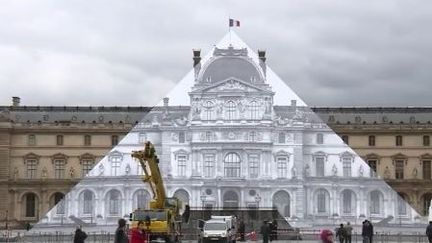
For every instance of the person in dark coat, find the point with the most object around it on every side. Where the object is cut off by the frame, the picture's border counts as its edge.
(274, 227)
(79, 236)
(265, 231)
(341, 233)
(241, 230)
(367, 231)
(120, 233)
(429, 232)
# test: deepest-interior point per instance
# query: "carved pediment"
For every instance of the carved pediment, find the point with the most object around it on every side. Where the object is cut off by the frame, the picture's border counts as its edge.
(181, 152)
(232, 84)
(87, 156)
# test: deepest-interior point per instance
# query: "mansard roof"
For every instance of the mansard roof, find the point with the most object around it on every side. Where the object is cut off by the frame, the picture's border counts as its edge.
(230, 63)
(101, 114)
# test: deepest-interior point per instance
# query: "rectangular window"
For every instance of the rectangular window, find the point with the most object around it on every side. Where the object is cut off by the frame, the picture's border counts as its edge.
(319, 166)
(253, 165)
(371, 140)
(209, 162)
(347, 167)
(426, 140)
(181, 137)
(60, 140)
(87, 140)
(320, 138)
(345, 139)
(399, 140)
(426, 169)
(142, 138)
(31, 168)
(321, 198)
(181, 162)
(115, 165)
(373, 167)
(282, 165)
(31, 140)
(87, 165)
(208, 136)
(59, 168)
(399, 169)
(114, 140)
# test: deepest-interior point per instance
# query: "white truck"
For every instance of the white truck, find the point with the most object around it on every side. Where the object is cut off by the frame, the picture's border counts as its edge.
(218, 229)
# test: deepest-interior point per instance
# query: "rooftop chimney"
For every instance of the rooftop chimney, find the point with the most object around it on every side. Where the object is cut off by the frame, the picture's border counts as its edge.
(262, 60)
(196, 61)
(196, 56)
(166, 101)
(16, 101)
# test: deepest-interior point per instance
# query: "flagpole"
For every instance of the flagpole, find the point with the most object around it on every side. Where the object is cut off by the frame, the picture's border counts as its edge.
(229, 29)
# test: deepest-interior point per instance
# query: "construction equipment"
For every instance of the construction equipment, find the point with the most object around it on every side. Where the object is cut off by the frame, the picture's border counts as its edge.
(162, 219)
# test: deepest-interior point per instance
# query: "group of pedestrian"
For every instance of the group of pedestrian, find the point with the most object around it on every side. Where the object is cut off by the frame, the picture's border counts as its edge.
(137, 235)
(344, 233)
(367, 231)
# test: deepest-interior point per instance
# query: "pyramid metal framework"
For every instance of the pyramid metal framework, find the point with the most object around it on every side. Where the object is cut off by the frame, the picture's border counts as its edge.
(233, 134)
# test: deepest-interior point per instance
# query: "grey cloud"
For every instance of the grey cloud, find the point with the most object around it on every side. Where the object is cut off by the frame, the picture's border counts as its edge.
(133, 52)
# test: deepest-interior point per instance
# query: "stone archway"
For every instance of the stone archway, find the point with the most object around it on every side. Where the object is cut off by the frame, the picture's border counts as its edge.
(282, 201)
(183, 196)
(426, 200)
(230, 200)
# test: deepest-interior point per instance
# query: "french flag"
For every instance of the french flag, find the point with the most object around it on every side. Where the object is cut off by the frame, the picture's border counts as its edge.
(234, 23)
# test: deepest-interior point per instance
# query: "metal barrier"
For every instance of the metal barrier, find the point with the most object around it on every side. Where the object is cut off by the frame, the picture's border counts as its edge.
(306, 236)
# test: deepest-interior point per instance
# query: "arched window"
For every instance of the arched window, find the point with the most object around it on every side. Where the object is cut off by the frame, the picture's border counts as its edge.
(426, 202)
(230, 200)
(281, 201)
(281, 137)
(59, 202)
(376, 202)
(322, 199)
(183, 196)
(254, 110)
(141, 199)
(320, 138)
(87, 199)
(208, 111)
(402, 204)
(114, 202)
(230, 110)
(30, 205)
(232, 165)
(348, 202)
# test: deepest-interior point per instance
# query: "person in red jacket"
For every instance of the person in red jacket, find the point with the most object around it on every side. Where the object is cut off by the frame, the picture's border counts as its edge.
(138, 235)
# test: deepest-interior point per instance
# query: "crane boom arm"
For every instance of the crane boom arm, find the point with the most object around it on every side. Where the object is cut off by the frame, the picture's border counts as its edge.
(150, 164)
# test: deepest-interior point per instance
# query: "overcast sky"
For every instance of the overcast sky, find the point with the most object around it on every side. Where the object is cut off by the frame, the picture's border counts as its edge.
(332, 53)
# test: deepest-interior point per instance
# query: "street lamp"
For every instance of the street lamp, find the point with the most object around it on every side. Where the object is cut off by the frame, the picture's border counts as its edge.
(203, 199)
(257, 199)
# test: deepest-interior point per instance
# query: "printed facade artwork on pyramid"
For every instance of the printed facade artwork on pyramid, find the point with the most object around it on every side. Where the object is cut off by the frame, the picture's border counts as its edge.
(233, 135)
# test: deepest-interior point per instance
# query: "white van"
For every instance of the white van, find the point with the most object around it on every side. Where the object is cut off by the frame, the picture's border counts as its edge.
(218, 229)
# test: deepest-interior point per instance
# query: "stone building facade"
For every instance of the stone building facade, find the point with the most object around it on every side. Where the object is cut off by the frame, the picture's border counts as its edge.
(285, 158)
(234, 148)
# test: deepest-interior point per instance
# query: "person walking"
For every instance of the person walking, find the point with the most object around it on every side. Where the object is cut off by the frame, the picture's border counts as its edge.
(138, 234)
(429, 232)
(265, 231)
(120, 233)
(348, 230)
(274, 229)
(80, 235)
(241, 230)
(326, 236)
(370, 231)
(341, 233)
